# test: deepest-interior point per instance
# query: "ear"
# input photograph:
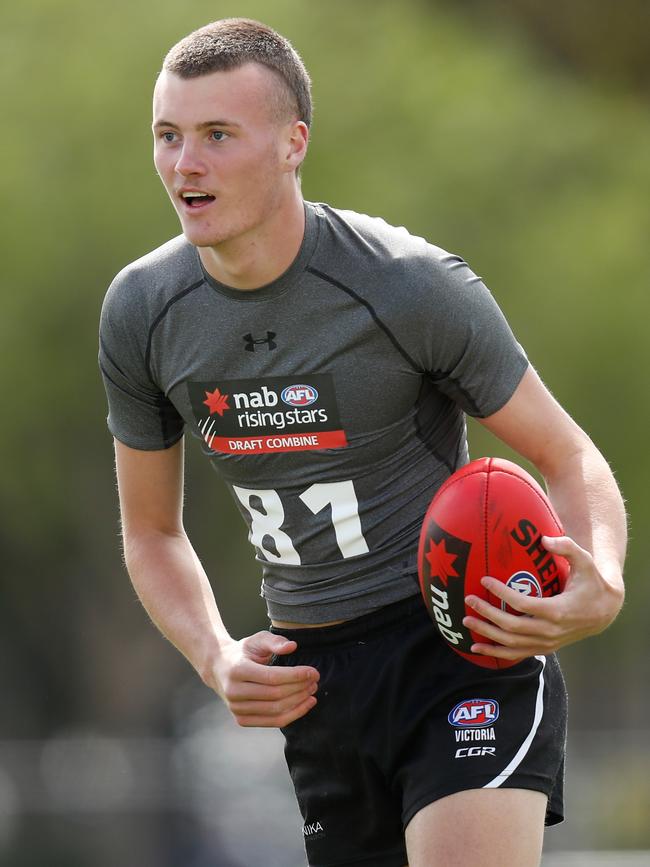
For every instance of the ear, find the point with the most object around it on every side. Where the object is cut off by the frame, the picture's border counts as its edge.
(295, 145)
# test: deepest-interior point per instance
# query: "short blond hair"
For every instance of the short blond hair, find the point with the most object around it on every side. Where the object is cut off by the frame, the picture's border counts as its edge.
(232, 42)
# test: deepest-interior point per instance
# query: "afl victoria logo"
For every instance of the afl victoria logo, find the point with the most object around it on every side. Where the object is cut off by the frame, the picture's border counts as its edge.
(299, 395)
(474, 713)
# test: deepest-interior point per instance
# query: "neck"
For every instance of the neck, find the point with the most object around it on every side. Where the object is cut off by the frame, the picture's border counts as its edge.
(258, 257)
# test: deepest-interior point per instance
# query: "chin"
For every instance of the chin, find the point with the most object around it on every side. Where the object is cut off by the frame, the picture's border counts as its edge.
(202, 238)
(213, 232)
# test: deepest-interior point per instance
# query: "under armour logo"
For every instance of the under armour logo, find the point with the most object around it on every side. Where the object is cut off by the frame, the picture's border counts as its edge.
(251, 342)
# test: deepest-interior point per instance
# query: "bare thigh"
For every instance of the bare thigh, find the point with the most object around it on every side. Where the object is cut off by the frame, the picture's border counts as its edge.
(486, 827)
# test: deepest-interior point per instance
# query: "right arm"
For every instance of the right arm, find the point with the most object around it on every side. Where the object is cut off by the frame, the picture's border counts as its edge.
(174, 589)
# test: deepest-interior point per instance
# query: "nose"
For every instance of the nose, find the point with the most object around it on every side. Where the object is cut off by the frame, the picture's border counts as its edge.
(189, 161)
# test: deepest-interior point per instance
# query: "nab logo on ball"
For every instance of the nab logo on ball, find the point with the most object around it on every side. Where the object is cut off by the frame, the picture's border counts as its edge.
(443, 561)
(299, 395)
(474, 713)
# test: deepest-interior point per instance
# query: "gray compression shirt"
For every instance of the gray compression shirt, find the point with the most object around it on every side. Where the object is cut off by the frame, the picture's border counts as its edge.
(331, 401)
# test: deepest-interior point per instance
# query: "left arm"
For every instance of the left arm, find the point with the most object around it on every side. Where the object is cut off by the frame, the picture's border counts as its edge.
(590, 507)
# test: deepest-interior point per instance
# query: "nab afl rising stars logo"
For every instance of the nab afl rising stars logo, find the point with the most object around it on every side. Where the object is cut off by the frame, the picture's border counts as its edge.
(267, 415)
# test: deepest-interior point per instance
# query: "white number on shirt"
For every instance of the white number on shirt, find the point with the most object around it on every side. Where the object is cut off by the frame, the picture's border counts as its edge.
(267, 521)
(267, 517)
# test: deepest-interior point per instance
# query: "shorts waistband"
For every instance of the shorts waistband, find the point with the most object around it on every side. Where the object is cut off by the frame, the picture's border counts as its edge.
(357, 629)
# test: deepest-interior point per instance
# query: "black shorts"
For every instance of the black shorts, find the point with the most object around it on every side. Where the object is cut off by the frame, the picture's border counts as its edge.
(401, 721)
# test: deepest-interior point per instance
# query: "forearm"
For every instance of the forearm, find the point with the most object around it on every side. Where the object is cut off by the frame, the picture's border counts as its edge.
(584, 492)
(174, 589)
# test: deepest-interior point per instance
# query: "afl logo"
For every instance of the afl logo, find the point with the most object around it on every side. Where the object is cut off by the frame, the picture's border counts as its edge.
(299, 395)
(524, 583)
(474, 713)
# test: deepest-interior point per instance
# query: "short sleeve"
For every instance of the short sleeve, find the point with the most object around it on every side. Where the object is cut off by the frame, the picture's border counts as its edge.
(469, 351)
(140, 415)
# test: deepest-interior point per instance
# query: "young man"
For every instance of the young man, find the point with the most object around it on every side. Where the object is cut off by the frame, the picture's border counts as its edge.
(326, 360)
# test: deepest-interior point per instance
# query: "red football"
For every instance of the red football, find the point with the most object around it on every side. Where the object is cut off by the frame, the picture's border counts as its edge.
(486, 519)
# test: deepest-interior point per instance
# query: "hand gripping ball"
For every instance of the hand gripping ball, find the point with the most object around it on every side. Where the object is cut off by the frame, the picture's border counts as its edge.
(486, 519)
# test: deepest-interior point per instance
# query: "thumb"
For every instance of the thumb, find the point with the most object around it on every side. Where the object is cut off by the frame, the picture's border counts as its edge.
(263, 645)
(567, 548)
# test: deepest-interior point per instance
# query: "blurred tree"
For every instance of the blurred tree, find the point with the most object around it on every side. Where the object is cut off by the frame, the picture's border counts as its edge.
(608, 42)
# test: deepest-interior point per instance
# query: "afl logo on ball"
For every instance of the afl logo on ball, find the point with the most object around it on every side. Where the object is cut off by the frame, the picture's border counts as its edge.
(474, 713)
(524, 583)
(299, 395)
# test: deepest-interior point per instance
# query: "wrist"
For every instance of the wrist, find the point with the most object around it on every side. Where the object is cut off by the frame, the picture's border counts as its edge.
(210, 657)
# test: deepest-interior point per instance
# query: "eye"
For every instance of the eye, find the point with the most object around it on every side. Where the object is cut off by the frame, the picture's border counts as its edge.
(168, 136)
(218, 135)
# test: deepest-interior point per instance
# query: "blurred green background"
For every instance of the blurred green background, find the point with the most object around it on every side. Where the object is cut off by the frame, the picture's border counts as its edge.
(514, 133)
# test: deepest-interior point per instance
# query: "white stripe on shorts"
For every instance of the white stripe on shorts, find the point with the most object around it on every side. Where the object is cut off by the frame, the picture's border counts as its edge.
(523, 749)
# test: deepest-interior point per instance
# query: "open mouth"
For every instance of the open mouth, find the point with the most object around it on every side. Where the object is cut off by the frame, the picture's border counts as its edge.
(196, 200)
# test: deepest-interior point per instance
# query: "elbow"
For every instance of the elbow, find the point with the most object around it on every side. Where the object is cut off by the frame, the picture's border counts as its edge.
(143, 542)
(565, 457)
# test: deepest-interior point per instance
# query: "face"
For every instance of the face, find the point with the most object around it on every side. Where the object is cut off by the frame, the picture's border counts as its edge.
(226, 161)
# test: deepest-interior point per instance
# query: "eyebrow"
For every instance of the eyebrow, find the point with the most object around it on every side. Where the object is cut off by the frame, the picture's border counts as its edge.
(203, 125)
